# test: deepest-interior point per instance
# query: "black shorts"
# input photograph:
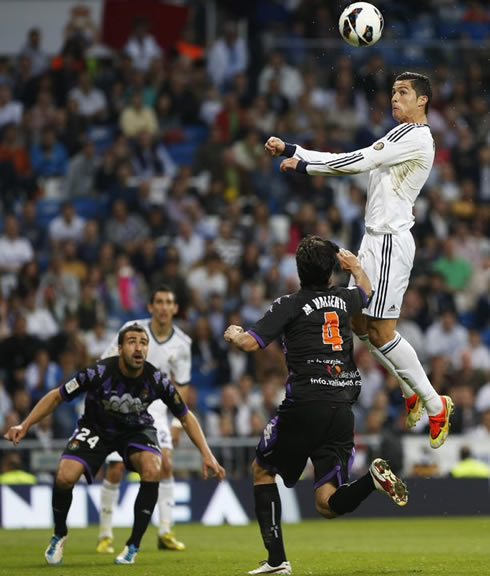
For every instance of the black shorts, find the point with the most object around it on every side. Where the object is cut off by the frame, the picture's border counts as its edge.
(322, 432)
(90, 448)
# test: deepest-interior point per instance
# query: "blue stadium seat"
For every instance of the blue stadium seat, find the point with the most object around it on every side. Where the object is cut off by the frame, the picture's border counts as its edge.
(195, 134)
(47, 209)
(485, 336)
(182, 154)
(102, 137)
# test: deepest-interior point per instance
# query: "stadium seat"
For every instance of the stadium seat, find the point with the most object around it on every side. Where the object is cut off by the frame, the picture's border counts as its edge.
(102, 137)
(182, 154)
(47, 209)
(195, 134)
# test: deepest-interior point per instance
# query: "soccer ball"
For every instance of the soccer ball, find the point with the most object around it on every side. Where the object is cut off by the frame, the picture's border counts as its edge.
(361, 24)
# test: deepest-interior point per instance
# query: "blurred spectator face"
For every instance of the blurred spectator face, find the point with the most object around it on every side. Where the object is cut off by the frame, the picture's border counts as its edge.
(4, 94)
(229, 398)
(34, 38)
(48, 138)
(20, 325)
(448, 321)
(120, 210)
(137, 100)
(91, 233)
(21, 401)
(9, 136)
(11, 227)
(68, 212)
(28, 212)
(245, 385)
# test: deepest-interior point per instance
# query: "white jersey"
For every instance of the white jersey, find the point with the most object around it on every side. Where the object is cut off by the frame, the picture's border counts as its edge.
(170, 356)
(399, 165)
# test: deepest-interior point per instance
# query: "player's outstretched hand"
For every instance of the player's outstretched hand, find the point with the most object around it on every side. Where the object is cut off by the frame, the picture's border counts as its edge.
(15, 433)
(209, 462)
(275, 146)
(348, 261)
(232, 331)
(288, 164)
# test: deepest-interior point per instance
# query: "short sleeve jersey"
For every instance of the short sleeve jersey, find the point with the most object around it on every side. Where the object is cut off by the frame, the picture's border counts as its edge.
(316, 337)
(116, 403)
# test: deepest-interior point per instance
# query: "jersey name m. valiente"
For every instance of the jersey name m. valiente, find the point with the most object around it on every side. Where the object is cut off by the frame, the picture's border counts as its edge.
(316, 338)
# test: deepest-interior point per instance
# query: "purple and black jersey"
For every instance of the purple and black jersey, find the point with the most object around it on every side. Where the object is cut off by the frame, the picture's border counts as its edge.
(116, 403)
(316, 337)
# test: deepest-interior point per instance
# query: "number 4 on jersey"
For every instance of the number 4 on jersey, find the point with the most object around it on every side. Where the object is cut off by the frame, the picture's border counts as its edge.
(330, 331)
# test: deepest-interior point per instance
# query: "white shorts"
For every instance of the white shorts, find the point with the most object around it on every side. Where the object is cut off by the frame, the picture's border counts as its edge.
(159, 412)
(387, 260)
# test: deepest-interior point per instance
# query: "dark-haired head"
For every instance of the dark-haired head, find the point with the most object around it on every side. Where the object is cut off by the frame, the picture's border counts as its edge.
(161, 288)
(315, 260)
(131, 328)
(420, 83)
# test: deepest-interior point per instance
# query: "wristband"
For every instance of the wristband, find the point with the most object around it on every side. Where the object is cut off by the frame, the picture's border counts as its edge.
(176, 423)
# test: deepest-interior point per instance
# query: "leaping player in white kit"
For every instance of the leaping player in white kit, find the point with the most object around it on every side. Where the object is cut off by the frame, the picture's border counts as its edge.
(398, 165)
(169, 350)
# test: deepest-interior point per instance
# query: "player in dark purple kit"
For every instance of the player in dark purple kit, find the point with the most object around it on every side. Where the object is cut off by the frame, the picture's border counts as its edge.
(315, 419)
(119, 390)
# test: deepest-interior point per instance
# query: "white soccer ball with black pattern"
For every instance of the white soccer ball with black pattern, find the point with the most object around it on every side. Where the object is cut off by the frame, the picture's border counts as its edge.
(361, 24)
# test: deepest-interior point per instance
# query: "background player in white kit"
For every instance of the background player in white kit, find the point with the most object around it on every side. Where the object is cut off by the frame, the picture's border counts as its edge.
(169, 350)
(398, 165)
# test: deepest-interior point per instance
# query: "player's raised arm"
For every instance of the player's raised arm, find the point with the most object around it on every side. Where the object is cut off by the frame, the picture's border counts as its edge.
(195, 433)
(350, 263)
(43, 408)
(395, 148)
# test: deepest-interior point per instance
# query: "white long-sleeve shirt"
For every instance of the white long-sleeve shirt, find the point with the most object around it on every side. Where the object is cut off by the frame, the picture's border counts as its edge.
(398, 164)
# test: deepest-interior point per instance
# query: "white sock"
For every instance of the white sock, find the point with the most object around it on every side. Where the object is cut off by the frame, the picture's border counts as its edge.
(408, 366)
(381, 359)
(165, 504)
(109, 495)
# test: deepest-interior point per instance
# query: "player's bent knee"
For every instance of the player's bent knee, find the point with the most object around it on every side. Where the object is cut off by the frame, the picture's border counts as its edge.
(260, 475)
(68, 475)
(324, 509)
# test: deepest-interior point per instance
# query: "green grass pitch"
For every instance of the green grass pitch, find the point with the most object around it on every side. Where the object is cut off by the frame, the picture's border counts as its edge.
(345, 547)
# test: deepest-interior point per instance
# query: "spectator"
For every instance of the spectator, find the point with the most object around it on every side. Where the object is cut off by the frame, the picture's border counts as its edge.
(32, 50)
(445, 337)
(40, 322)
(91, 101)
(455, 270)
(227, 57)
(141, 46)
(49, 157)
(126, 230)
(10, 110)
(81, 172)
(137, 117)
(14, 251)
(67, 226)
(208, 277)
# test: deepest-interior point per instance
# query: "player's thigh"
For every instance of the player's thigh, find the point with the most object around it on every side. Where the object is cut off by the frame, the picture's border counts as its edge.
(147, 464)
(387, 260)
(141, 453)
(333, 456)
(282, 449)
(88, 448)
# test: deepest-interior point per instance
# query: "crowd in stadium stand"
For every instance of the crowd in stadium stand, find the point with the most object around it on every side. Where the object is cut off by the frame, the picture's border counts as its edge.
(126, 171)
